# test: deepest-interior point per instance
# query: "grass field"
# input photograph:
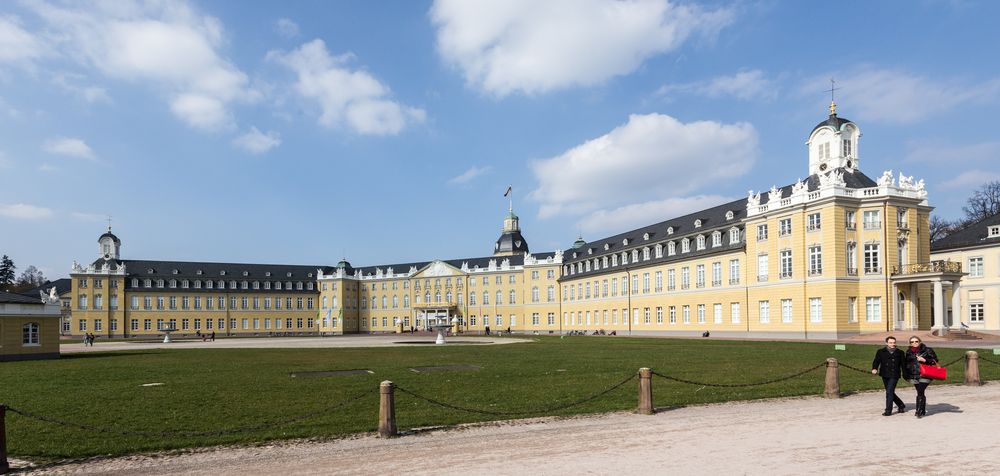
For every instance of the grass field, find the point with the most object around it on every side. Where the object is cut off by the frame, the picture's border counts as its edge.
(232, 389)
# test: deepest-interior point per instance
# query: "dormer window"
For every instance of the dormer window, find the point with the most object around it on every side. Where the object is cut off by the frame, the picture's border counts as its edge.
(222, 273)
(685, 245)
(268, 274)
(671, 248)
(729, 215)
(645, 254)
(149, 271)
(701, 242)
(716, 239)
(246, 273)
(574, 255)
(288, 275)
(309, 275)
(625, 242)
(659, 250)
(994, 232)
(670, 230)
(199, 272)
(734, 236)
(645, 236)
(607, 246)
(697, 223)
(174, 272)
(590, 251)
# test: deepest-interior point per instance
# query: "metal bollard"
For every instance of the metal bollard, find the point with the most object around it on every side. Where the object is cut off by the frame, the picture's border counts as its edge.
(4, 465)
(832, 388)
(645, 391)
(387, 410)
(972, 368)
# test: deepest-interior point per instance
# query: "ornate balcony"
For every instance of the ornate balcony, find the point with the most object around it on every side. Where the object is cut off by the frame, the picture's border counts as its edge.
(938, 266)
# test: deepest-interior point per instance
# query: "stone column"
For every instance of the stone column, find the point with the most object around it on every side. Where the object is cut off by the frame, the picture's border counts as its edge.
(832, 382)
(895, 307)
(645, 391)
(939, 316)
(956, 305)
(387, 410)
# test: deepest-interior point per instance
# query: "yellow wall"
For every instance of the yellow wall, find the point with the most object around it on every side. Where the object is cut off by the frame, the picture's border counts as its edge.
(11, 338)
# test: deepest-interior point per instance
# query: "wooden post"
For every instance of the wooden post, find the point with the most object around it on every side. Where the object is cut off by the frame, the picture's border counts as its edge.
(832, 389)
(972, 368)
(645, 391)
(387, 410)
(4, 465)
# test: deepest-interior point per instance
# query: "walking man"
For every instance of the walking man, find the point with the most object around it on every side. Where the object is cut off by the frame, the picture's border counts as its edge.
(888, 364)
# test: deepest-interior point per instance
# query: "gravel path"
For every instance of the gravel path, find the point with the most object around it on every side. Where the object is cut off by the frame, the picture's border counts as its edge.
(386, 340)
(780, 436)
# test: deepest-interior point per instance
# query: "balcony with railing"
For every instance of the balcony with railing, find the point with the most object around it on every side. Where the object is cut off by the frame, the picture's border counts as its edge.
(937, 266)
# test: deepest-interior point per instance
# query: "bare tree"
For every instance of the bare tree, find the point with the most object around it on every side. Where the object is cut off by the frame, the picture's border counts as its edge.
(31, 277)
(941, 228)
(984, 202)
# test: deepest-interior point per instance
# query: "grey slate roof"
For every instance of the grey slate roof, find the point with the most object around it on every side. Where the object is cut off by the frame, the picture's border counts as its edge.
(482, 262)
(11, 298)
(62, 286)
(151, 269)
(975, 234)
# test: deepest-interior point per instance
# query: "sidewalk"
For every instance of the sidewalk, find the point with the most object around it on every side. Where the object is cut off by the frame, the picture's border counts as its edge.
(809, 435)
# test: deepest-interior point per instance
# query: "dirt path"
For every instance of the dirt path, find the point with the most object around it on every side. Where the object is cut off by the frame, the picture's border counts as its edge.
(387, 340)
(784, 436)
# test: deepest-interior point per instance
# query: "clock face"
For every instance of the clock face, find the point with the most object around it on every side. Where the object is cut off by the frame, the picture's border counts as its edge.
(850, 164)
(107, 256)
(822, 167)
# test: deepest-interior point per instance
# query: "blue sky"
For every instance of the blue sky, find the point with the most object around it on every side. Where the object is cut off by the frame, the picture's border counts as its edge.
(301, 132)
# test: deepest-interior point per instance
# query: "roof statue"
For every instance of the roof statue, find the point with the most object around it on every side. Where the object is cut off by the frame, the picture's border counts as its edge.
(886, 180)
(753, 200)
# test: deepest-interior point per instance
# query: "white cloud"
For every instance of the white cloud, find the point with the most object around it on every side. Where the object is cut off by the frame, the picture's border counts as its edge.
(71, 83)
(652, 157)
(633, 216)
(534, 47)
(970, 180)
(256, 142)
(901, 97)
(465, 177)
(16, 44)
(92, 217)
(24, 212)
(69, 147)
(286, 28)
(166, 44)
(346, 97)
(745, 85)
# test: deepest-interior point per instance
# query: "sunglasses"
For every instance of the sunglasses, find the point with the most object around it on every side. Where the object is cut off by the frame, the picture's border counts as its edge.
(914, 341)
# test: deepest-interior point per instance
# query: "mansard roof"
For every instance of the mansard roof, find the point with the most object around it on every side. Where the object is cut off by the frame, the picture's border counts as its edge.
(711, 219)
(471, 263)
(12, 298)
(214, 271)
(976, 234)
(62, 286)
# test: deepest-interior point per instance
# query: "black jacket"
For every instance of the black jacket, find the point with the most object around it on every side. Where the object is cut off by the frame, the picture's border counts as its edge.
(911, 367)
(889, 365)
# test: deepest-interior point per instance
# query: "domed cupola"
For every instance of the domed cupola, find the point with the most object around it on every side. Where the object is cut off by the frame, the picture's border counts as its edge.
(833, 144)
(510, 242)
(109, 246)
(579, 243)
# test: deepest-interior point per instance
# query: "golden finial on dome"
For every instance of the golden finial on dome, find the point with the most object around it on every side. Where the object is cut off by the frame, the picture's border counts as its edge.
(833, 108)
(833, 105)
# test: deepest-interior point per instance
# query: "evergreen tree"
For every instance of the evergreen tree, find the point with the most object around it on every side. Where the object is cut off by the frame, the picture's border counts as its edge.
(7, 269)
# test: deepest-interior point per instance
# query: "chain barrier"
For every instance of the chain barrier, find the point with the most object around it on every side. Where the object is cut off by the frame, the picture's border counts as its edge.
(948, 364)
(854, 368)
(183, 433)
(740, 385)
(518, 413)
(989, 360)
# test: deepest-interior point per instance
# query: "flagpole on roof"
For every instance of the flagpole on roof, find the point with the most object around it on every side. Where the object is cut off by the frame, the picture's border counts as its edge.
(510, 198)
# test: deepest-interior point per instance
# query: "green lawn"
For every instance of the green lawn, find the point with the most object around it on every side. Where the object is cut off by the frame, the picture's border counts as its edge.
(212, 390)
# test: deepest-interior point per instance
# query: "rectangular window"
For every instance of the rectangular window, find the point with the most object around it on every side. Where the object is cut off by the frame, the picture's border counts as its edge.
(762, 232)
(872, 264)
(135, 302)
(672, 315)
(813, 222)
(717, 273)
(659, 314)
(686, 314)
(976, 313)
(762, 267)
(786, 310)
(671, 280)
(976, 267)
(872, 219)
(734, 272)
(635, 284)
(765, 312)
(147, 324)
(701, 314)
(685, 277)
(785, 261)
(645, 283)
(815, 309)
(849, 220)
(717, 313)
(815, 260)
(646, 316)
(852, 259)
(873, 309)
(785, 227)
(699, 276)
(852, 309)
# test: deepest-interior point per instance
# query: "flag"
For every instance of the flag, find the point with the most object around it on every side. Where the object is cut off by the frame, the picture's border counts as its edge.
(509, 189)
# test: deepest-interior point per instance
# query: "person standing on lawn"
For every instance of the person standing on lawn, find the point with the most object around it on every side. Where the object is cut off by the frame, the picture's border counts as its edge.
(888, 364)
(917, 354)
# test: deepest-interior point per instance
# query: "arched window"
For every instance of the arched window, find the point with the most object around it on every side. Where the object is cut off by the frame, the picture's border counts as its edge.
(734, 236)
(499, 300)
(635, 256)
(374, 303)
(513, 297)
(716, 238)
(29, 334)
(472, 299)
(427, 296)
(685, 245)
(437, 296)
(534, 294)
(406, 301)
(701, 242)
(385, 302)
(486, 298)
(659, 251)
(645, 254)
(447, 296)
(395, 302)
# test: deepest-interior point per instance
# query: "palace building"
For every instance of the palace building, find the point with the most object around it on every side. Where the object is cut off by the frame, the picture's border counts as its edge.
(831, 255)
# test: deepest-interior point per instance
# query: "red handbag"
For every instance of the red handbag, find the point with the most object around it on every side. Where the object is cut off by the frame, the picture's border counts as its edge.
(932, 372)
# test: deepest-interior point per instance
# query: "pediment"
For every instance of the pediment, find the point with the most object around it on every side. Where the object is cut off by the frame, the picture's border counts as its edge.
(438, 268)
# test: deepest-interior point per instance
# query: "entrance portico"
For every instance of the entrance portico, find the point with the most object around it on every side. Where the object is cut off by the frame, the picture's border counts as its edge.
(904, 281)
(437, 313)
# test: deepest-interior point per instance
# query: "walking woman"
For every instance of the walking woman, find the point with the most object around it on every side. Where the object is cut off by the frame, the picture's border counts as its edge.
(917, 354)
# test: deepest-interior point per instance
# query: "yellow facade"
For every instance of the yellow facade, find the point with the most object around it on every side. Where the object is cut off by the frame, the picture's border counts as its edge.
(29, 329)
(978, 302)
